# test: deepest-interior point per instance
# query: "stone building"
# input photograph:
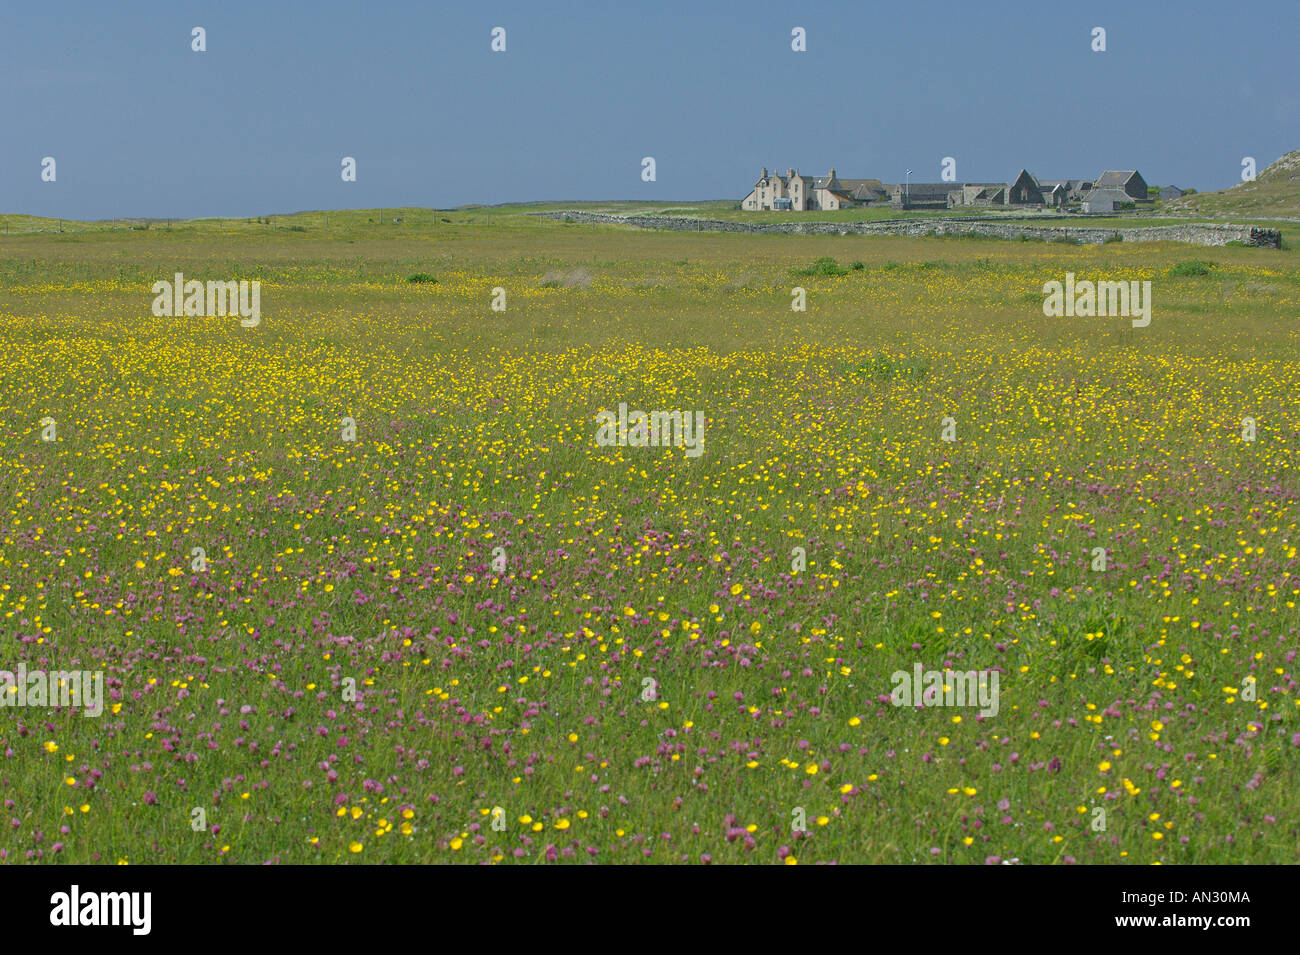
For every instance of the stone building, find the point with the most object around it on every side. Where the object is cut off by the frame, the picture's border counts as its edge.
(922, 195)
(1024, 191)
(1076, 189)
(978, 194)
(791, 191)
(1106, 200)
(830, 193)
(866, 192)
(1056, 195)
(796, 193)
(1128, 181)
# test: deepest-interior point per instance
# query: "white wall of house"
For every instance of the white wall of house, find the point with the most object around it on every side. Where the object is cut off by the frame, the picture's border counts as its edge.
(828, 200)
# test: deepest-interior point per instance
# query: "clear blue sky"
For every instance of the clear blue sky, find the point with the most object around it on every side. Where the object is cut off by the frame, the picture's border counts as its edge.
(140, 125)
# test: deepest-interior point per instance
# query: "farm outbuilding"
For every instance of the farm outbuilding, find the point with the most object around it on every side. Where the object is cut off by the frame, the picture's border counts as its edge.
(1128, 181)
(1105, 200)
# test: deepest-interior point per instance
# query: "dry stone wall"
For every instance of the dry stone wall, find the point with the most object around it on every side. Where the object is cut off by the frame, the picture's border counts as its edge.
(1196, 234)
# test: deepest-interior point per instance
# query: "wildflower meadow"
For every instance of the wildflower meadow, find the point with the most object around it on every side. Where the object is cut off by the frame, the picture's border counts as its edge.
(500, 539)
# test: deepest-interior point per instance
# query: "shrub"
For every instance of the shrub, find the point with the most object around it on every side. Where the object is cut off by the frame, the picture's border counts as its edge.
(422, 278)
(822, 266)
(1191, 268)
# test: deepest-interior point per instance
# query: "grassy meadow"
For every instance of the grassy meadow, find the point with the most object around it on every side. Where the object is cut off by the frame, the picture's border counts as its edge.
(564, 652)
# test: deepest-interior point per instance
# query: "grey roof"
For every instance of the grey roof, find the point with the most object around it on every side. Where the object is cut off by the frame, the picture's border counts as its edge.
(1115, 177)
(916, 190)
(864, 189)
(836, 184)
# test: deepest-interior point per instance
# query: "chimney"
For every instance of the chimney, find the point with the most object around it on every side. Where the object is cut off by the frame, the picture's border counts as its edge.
(832, 172)
(764, 175)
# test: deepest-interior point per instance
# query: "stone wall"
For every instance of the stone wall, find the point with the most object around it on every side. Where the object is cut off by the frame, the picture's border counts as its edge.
(1196, 234)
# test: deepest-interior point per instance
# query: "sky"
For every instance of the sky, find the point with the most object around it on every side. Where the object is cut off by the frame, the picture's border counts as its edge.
(141, 125)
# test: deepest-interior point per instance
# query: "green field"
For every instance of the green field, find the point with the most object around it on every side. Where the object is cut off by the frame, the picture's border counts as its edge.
(414, 223)
(474, 606)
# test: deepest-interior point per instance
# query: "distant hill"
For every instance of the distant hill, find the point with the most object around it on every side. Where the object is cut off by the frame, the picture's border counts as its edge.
(1275, 192)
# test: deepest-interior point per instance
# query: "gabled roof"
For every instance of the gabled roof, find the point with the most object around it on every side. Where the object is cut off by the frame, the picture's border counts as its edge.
(1115, 177)
(1032, 192)
(856, 183)
(864, 189)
